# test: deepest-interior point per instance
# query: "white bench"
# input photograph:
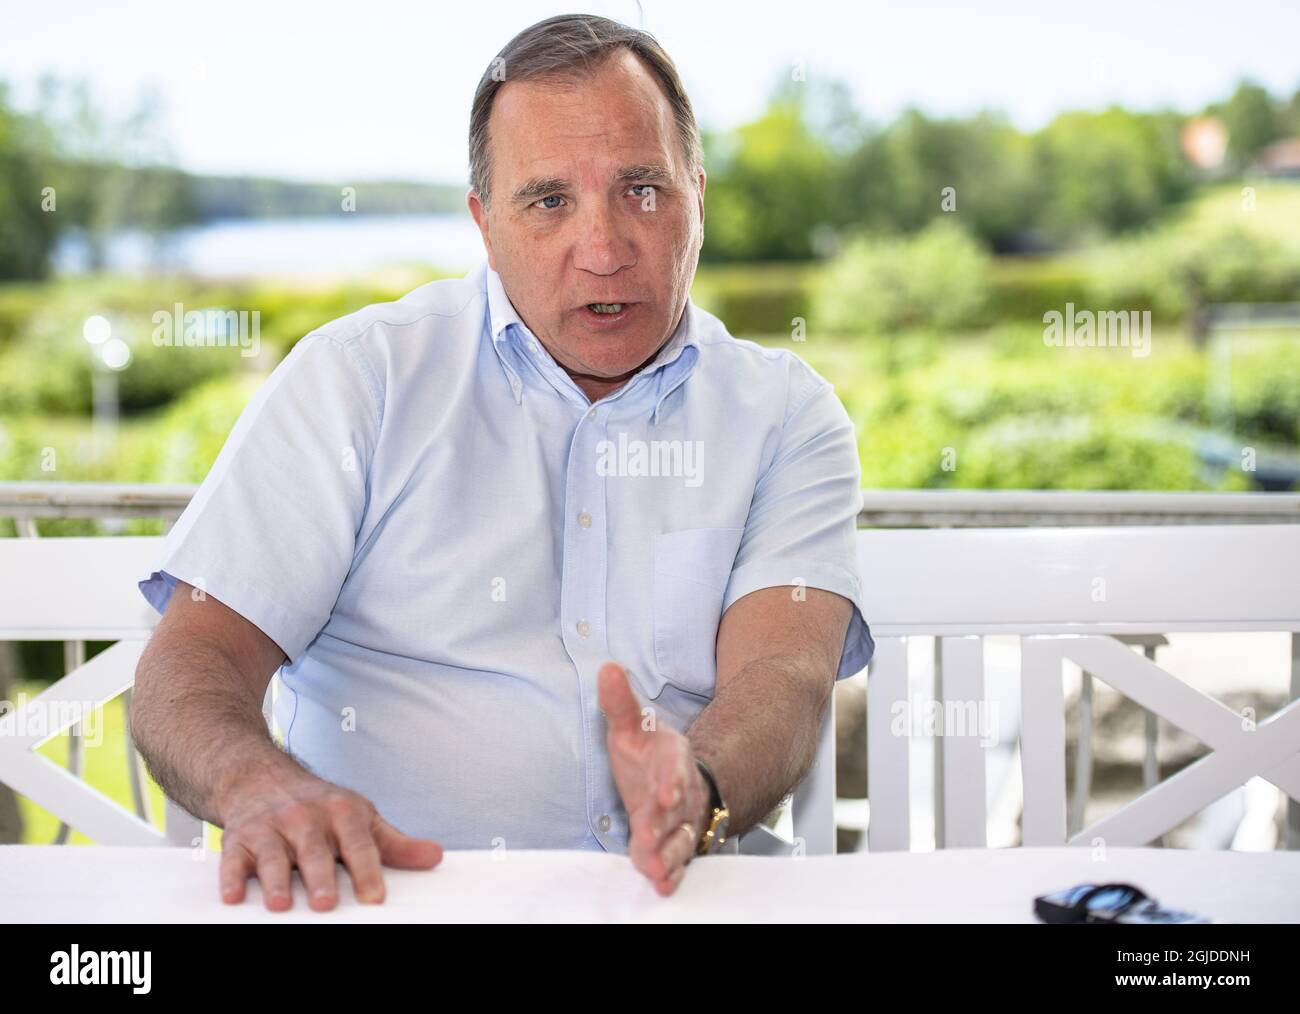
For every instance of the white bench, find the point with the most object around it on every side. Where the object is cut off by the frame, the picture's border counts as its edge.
(1063, 591)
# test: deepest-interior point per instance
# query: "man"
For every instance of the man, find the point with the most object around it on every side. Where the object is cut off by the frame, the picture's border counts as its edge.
(476, 528)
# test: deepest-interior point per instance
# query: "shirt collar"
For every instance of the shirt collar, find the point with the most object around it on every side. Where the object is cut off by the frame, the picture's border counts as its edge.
(674, 363)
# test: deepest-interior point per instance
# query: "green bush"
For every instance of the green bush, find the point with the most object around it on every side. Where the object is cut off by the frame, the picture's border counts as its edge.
(50, 369)
(1025, 288)
(938, 278)
(177, 444)
(1109, 453)
(46, 365)
(757, 299)
(1174, 272)
(183, 442)
(1264, 392)
(1011, 413)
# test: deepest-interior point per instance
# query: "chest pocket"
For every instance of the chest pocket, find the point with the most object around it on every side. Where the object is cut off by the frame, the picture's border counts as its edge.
(692, 568)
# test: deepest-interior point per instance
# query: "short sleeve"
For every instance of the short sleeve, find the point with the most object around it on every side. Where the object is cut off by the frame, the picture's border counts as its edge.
(271, 532)
(803, 518)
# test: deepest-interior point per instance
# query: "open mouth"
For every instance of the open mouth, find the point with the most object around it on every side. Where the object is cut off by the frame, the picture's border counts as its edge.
(606, 314)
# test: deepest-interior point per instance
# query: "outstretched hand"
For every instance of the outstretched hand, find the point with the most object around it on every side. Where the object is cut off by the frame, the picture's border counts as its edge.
(663, 791)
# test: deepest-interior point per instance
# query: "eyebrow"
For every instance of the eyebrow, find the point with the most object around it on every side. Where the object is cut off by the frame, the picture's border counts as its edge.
(541, 186)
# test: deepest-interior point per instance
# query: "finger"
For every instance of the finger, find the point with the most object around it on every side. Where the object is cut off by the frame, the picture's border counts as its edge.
(658, 851)
(676, 802)
(273, 872)
(653, 822)
(677, 849)
(316, 862)
(237, 865)
(618, 702)
(657, 828)
(670, 883)
(313, 852)
(644, 836)
(655, 814)
(360, 855)
(402, 851)
(670, 779)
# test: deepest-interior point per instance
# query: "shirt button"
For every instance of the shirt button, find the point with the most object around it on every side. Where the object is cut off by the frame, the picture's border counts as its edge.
(604, 822)
(584, 519)
(584, 628)
(591, 414)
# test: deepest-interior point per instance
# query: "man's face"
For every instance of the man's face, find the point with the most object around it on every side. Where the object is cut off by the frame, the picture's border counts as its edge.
(591, 202)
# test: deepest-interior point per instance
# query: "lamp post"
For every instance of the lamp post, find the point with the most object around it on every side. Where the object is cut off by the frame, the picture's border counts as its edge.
(109, 356)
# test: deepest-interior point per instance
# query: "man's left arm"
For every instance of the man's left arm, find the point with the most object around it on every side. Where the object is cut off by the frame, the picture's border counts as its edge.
(791, 625)
(778, 652)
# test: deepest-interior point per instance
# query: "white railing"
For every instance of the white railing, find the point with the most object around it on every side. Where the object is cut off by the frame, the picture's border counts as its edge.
(1073, 595)
(882, 508)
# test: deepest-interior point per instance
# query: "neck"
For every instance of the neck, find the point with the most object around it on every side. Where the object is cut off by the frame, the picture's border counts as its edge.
(597, 387)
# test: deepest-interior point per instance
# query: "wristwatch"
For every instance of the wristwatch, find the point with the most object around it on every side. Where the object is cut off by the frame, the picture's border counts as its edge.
(715, 835)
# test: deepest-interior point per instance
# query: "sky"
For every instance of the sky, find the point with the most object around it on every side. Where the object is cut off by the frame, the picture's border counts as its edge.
(381, 90)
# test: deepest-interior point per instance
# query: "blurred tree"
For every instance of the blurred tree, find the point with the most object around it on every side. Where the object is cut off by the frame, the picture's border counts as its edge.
(1107, 172)
(1290, 117)
(769, 192)
(27, 233)
(919, 169)
(1252, 121)
(110, 173)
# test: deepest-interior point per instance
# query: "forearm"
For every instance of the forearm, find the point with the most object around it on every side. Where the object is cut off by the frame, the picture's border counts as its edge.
(198, 727)
(759, 735)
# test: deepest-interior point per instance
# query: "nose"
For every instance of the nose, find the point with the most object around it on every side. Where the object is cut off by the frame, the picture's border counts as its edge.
(604, 245)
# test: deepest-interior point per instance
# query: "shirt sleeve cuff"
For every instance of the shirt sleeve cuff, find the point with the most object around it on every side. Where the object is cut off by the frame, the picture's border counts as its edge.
(291, 630)
(859, 645)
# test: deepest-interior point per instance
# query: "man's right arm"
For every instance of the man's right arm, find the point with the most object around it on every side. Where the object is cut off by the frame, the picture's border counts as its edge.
(196, 718)
(196, 711)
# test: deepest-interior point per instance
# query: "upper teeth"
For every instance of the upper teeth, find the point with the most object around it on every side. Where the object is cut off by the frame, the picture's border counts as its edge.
(606, 307)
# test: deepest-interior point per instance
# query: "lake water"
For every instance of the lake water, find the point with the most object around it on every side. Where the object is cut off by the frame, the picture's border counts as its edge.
(339, 243)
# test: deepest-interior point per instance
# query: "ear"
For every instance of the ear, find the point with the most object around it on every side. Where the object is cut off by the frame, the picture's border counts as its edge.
(700, 181)
(480, 215)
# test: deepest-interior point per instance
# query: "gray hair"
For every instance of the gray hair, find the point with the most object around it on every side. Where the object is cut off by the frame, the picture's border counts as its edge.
(573, 45)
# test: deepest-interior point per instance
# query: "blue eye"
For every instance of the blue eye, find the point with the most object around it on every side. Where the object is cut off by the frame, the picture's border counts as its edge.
(549, 197)
(643, 186)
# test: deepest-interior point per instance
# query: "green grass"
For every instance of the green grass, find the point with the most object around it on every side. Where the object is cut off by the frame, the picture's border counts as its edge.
(1276, 214)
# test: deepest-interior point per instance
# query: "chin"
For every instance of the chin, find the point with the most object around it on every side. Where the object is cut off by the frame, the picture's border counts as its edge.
(617, 365)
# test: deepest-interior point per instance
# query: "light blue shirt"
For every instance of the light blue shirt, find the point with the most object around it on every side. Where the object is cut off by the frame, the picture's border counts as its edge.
(447, 539)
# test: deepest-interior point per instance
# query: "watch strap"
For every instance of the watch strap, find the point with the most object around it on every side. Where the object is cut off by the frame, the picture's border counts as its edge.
(715, 834)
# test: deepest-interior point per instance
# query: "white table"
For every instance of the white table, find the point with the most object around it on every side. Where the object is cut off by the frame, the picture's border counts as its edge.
(100, 884)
